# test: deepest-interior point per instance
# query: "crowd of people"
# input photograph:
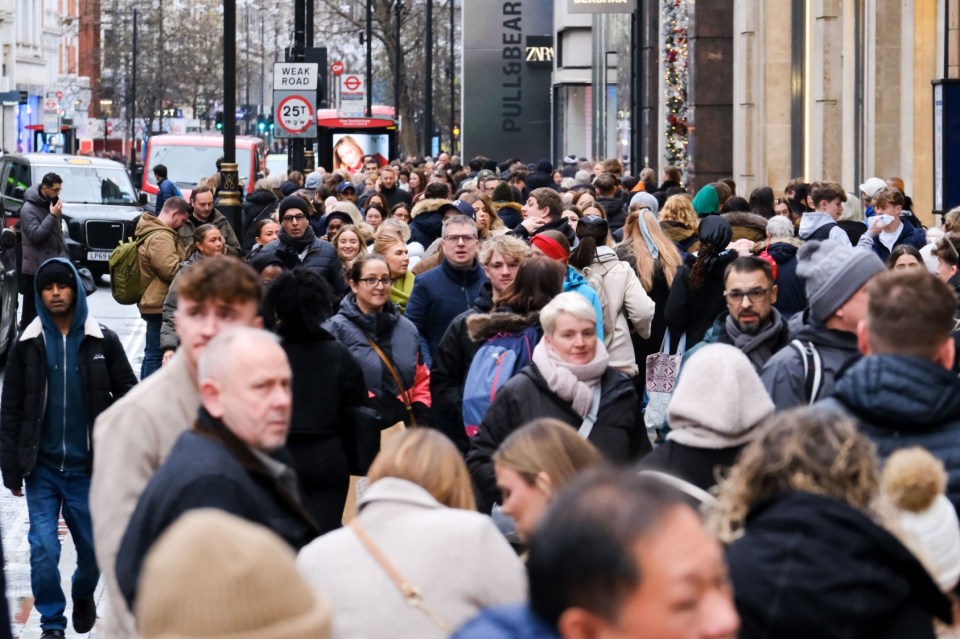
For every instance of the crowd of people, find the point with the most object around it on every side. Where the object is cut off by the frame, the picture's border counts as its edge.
(502, 400)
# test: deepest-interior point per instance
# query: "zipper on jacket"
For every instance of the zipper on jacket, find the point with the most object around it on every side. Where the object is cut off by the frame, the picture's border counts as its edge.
(63, 462)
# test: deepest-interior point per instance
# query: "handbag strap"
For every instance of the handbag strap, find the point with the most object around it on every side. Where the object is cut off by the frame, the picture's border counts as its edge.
(587, 426)
(681, 347)
(404, 393)
(411, 594)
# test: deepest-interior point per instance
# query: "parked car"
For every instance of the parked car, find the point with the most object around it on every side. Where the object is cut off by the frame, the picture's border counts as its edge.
(191, 158)
(9, 287)
(100, 205)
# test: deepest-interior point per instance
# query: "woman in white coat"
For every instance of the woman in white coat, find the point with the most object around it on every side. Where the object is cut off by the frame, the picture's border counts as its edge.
(625, 302)
(416, 524)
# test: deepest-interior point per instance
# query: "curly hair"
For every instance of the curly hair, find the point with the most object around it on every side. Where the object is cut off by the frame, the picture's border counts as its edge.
(679, 209)
(812, 449)
(298, 301)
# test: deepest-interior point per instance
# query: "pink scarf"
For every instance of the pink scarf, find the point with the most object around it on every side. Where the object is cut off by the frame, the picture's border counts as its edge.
(572, 382)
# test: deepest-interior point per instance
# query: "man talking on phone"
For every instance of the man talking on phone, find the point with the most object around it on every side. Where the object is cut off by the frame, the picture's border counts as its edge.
(42, 233)
(886, 230)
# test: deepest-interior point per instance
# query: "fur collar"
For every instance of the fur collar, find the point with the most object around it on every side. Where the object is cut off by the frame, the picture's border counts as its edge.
(748, 220)
(510, 205)
(483, 326)
(427, 206)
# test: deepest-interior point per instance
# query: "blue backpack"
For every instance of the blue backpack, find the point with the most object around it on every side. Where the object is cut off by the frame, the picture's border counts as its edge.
(500, 358)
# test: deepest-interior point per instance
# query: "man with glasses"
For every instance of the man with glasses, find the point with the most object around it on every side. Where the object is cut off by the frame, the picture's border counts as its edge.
(487, 182)
(42, 232)
(439, 295)
(296, 243)
(835, 278)
(751, 323)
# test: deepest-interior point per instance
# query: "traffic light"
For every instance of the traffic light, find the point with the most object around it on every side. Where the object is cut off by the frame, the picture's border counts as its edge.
(219, 121)
(270, 123)
(261, 123)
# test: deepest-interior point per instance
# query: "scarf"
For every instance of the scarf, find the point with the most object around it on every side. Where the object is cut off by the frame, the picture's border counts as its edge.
(574, 383)
(298, 244)
(647, 238)
(757, 346)
(401, 289)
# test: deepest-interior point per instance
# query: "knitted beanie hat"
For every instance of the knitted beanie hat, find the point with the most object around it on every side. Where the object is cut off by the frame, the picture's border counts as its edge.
(582, 177)
(646, 199)
(833, 273)
(503, 193)
(293, 202)
(55, 270)
(215, 576)
(719, 400)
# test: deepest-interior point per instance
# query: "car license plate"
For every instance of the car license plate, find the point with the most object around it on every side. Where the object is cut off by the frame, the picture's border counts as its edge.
(98, 256)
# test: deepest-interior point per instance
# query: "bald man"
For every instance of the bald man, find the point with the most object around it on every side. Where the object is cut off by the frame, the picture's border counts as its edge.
(233, 459)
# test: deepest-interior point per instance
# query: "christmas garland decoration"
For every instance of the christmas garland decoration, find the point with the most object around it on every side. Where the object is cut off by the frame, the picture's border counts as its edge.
(675, 22)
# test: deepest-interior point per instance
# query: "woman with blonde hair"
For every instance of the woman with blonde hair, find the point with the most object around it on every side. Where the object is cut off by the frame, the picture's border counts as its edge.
(488, 222)
(534, 463)
(679, 222)
(811, 553)
(415, 530)
(390, 244)
(349, 244)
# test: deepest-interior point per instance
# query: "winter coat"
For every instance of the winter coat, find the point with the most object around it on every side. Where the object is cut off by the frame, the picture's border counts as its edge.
(508, 622)
(320, 257)
(451, 363)
(557, 225)
(854, 229)
(575, 282)
(457, 558)
(160, 257)
(41, 232)
(618, 433)
(169, 340)
(395, 196)
(397, 338)
(165, 190)
(783, 375)
(693, 312)
(438, 296)
(130, 441)
(103, 373)
(210, 467)
(902, 401)
(686, 240)
(717, 334)
(510, 213)
(748, 226)
(622, 298)
(698, 466)
(216, 218)
(426, 223)
(812, 221)
(616, 213)
(259, 205)
(791, 291)
(812, 566)
(909, 234)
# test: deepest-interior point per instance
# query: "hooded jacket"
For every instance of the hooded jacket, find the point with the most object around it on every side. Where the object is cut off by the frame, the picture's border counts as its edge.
(903, 401)
(812, 566)
(575, 282)
(55, 387)
(813, 221)
(686, 240)
(784, 377)
(438, 296)
(41, 231)
(426, 223)
(616, 212)
(619, 433)
(223, 225)
(748, 226)
(160, 257)
(791, 293)
(510, 213)
(624, 304)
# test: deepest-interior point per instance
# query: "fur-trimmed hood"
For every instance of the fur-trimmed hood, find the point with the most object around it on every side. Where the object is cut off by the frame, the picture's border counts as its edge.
(513, 206)
(747, 221)
(760, 247)
(427, 206)
(483, 326)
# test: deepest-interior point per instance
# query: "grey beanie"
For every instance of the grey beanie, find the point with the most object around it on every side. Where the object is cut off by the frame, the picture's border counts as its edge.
(647, 200)
(582, 177)
(833, 273)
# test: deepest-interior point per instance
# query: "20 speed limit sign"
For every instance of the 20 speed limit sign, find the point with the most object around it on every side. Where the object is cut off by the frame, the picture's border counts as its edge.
(294, 114)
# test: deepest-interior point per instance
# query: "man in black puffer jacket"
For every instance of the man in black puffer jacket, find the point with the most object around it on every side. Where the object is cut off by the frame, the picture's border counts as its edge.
(903, 393)
(64, 370)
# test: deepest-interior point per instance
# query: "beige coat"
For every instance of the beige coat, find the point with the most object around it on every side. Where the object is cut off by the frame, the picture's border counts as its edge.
(130, 441)
(458, 559)
(623, 298)
(160, 258)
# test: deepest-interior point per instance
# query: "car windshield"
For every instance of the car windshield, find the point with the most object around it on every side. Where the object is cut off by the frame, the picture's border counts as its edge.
(188, 164)
(92, 184)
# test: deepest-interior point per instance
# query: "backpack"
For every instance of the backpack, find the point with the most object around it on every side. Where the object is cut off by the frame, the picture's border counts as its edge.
(812, 369)
(124, 264)
(499, 358)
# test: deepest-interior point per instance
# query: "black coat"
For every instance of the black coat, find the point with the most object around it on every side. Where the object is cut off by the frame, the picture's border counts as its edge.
(811, 566)
(698, 466)
(693, 312)
(558, 225)
(209, 467)
(320, 257)
(903, 401)
(106, 376)
(791, 294)
(451, 363)
(619, 433)
(259, 205)
(616, 211)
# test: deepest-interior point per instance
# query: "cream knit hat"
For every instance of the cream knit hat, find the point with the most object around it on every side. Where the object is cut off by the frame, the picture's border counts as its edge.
(213, 575)
(719, 400)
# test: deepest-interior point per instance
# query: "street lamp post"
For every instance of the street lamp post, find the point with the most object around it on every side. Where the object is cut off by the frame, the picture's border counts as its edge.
(229, 203)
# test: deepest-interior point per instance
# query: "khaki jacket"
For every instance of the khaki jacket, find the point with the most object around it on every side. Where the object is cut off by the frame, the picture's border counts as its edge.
(217, 218)
(130, 442)
(160, 258)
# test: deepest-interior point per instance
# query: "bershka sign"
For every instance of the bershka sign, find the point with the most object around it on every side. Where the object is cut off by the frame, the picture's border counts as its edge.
(507, 54)
(295, 76)
(601, 6)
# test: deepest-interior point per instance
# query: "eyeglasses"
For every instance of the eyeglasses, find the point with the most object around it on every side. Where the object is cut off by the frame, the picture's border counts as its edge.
(456, 239)
(372, 282)
(756, 295)
(294, 218)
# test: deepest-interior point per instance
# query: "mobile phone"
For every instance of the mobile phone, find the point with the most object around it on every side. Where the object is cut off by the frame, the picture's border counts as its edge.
(54, 200)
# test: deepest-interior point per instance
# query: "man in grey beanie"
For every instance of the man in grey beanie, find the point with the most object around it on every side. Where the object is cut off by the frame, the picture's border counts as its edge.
(835, 277)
